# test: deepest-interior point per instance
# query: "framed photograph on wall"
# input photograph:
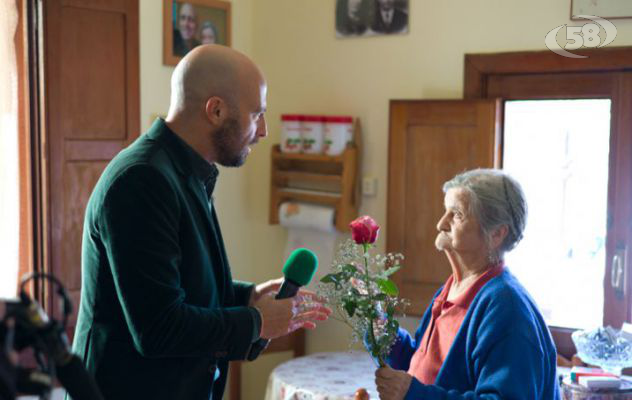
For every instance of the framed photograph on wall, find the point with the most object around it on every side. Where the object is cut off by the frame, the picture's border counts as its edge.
(371, 17)
(608, 9)
(187, 24)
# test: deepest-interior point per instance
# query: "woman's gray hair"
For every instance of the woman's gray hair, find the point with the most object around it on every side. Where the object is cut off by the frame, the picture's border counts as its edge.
(496, 199)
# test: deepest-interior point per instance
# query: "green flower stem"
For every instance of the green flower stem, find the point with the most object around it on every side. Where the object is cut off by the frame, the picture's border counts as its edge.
(368, 289)
(342, 318)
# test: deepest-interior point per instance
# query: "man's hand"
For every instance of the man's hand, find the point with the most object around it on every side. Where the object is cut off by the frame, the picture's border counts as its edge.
(392, 384)
(280, 317)
(273, 286)
(264, 288)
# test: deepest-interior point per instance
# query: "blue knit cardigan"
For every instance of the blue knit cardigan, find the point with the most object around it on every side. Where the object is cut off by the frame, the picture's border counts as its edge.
(503, 350)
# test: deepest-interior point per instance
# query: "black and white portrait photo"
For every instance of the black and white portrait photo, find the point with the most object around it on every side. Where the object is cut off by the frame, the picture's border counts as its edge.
(371, 17)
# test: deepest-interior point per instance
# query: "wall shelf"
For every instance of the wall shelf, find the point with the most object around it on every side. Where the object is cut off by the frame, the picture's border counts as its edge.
(317, 179)
(283, 177)
(308, 157)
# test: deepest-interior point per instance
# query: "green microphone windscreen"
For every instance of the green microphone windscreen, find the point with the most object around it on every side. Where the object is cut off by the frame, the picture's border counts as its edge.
(300, 266)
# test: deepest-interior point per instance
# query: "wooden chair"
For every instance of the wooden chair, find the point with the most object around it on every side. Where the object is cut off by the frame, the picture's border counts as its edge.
(294, 342)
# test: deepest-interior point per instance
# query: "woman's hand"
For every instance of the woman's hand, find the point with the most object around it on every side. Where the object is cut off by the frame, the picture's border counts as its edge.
(392, 384)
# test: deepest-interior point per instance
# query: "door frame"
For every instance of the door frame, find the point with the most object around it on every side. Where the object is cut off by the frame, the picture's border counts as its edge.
(478, 68)
(33, 246)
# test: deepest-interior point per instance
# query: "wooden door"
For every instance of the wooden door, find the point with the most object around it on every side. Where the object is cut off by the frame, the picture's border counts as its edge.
(91, 105)
(430, 142)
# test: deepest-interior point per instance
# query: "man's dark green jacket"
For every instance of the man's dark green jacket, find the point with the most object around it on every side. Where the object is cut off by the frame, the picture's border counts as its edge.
(159, 309)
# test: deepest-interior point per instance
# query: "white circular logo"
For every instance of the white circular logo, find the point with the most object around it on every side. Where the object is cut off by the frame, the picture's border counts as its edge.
(581, 36)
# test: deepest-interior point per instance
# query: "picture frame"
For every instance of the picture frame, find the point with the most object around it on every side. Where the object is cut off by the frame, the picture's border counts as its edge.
(607, 9)
(361, 18)
(187, 24)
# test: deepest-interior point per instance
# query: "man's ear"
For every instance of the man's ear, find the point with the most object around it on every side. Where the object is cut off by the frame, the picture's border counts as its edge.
(216, 110)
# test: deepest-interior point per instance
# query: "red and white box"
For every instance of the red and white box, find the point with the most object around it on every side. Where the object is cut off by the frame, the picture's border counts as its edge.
(291, 140)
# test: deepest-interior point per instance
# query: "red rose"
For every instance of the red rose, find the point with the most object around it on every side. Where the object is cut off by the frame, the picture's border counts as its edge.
(364, 230)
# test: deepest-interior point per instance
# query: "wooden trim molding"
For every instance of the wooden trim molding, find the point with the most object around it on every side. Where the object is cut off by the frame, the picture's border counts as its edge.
(26, 39)
(478, 67)
(24, 143)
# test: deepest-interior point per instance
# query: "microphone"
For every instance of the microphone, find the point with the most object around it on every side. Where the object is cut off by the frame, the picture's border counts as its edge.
(298, 270)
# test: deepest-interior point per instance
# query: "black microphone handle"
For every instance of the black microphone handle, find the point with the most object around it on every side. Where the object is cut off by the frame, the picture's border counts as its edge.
(79, 384)
(288, 289)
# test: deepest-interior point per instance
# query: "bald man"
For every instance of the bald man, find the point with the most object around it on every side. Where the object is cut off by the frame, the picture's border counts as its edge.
(160, 315)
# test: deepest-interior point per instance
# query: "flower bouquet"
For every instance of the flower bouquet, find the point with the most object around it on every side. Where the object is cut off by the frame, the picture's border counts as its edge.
(360, 292)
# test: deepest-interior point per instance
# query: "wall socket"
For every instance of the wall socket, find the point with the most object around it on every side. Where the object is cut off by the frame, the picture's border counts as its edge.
(369, 186)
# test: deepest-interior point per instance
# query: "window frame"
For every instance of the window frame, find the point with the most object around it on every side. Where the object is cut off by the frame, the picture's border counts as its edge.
(606, 73)
(31, 223)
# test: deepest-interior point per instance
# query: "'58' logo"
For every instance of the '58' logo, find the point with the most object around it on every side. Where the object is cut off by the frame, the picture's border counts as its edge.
(581, 36)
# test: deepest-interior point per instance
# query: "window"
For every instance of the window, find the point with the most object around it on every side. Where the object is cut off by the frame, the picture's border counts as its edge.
(9, 175)
(561, 260)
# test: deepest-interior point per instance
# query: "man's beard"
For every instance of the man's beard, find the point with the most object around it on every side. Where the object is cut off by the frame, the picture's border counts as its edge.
(227, 144)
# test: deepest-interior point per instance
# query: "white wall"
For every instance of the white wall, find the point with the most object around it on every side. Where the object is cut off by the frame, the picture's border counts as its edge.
(310, 71)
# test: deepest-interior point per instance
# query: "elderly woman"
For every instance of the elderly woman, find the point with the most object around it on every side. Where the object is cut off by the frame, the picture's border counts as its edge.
(483, 337)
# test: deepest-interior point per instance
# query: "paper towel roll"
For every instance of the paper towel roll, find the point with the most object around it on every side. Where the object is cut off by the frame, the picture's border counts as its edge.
(310, 226)
(307, 216)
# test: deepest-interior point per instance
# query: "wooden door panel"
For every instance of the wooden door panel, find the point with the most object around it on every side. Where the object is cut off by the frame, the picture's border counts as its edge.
(80, 177)
(92, 104)
(79, 180)
(427, 148)
(119, 6)
(92, 79)
(430, 142)
(92, 150)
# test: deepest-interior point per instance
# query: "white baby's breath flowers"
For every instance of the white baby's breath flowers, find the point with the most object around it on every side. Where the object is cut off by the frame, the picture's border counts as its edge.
(362, 296)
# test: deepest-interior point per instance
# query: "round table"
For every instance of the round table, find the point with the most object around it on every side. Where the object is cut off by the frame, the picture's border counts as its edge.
(323, 376)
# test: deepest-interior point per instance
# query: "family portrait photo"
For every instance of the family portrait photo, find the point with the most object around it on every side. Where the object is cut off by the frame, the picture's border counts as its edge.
(190, 23)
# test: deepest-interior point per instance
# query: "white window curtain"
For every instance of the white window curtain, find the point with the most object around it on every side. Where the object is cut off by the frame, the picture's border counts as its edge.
(9, 174)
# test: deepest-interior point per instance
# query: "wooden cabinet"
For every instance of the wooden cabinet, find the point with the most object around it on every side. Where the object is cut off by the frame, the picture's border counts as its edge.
(317, 179)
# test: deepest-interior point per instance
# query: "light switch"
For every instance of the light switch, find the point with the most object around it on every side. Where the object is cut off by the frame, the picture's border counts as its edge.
(369, 186)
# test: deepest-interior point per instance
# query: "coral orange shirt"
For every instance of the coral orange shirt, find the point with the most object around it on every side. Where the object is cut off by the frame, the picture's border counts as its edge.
(445, 322)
